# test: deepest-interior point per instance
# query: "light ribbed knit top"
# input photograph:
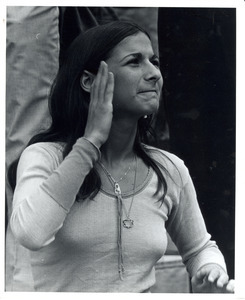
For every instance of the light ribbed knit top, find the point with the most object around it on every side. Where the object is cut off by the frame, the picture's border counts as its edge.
(58, 244)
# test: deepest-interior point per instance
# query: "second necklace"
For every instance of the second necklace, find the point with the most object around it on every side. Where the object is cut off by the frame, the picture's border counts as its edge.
(127, 222)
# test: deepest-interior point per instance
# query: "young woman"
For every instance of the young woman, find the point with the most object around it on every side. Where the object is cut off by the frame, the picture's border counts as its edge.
(92, 200)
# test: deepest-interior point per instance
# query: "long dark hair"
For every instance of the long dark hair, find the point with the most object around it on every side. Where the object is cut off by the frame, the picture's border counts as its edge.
(68, 102)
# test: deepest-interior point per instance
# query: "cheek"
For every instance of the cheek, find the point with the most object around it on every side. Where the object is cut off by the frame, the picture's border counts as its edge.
(125, 84)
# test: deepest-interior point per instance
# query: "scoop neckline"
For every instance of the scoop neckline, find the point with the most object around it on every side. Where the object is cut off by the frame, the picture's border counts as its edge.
(135, 191)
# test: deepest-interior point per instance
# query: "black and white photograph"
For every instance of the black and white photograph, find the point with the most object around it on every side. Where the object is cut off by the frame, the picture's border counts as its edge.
(121, 150)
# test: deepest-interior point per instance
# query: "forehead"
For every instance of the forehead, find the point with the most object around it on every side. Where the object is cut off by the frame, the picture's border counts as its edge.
(133, 44)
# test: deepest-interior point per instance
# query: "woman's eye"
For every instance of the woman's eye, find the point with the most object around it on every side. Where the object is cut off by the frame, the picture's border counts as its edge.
(156, 63)
(134, 61)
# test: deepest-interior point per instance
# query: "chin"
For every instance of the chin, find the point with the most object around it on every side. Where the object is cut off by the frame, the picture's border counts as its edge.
(152, 109)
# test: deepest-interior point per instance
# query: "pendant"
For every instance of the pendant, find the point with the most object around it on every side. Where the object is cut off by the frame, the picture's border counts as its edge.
(128, 223)
(117, 189)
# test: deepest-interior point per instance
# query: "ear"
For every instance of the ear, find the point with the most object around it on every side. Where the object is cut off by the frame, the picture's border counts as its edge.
(86, 80)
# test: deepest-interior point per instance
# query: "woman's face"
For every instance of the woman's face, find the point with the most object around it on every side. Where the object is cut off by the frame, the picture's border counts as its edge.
(138, 80)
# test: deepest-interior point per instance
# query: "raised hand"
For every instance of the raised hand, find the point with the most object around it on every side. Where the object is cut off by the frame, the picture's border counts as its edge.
(212, 279)
(100, 107)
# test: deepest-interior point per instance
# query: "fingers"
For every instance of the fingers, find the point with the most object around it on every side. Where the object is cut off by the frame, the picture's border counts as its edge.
(230, 288)
(102, 80)
(103, 84)
(222, 280)
(95, 88)
(100, 111)
(213, 275)
(218, 276)
(109, 88)
(212, 278)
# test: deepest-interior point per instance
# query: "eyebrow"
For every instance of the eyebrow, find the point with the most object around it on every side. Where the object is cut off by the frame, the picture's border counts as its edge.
(139, 55)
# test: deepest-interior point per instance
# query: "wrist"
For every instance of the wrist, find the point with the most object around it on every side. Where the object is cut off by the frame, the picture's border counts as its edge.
(91, 142)
(211, 265)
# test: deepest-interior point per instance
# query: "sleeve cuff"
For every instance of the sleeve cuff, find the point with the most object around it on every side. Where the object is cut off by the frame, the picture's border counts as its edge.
(94, 146)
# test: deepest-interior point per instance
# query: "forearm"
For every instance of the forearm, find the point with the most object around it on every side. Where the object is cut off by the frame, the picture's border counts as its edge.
(188, 231)
(63, 185)
(209, 254)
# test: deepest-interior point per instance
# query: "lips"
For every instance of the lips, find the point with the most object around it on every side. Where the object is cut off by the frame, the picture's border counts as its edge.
(147, 91)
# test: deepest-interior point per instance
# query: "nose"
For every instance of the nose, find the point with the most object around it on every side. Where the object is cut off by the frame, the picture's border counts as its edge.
(152, 72)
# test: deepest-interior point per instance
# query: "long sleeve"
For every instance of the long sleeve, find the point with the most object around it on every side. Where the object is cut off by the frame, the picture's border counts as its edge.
(46, 190)
(188, 231)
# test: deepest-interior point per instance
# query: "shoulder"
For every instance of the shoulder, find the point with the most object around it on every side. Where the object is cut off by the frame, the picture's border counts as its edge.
(173, 165)
(169, 159)
(42, 153)
(45, 147)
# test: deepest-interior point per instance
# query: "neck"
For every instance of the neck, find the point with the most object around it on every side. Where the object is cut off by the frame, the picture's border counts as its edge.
(120, 143)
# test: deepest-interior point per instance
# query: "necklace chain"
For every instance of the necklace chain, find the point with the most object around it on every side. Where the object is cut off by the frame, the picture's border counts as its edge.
(111, 177)
(127, 223)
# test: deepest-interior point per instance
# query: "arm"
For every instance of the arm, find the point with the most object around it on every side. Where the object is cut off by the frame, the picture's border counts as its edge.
(188, 231)
(46, 189)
